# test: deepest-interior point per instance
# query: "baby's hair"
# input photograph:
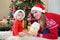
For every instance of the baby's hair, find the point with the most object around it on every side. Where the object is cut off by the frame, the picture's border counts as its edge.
(20, 12)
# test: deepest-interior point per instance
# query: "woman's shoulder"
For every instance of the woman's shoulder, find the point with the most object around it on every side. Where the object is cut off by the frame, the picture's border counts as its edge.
(51, 23)
(52, 15)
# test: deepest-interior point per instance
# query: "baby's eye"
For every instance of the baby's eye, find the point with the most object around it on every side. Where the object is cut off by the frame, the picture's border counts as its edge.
(18, 15)
(22, 15)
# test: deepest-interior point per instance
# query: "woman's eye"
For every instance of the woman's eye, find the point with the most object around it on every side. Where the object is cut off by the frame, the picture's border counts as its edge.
(35, 12)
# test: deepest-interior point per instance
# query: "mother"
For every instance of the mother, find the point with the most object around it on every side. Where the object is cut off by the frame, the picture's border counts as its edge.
(48, 28)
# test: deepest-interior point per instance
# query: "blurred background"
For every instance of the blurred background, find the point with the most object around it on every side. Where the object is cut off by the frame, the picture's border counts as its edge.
(51, 6)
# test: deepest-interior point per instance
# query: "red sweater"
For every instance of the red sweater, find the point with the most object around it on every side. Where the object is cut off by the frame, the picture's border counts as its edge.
(52, 25)
(53, 16)
(17, 27)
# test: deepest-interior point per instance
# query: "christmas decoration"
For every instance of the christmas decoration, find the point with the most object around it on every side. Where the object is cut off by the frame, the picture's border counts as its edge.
(24, 4)
(36, 0)
(26, 7)
(6, 23)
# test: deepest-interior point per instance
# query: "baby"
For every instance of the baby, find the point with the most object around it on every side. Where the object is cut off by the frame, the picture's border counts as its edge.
(17, 26)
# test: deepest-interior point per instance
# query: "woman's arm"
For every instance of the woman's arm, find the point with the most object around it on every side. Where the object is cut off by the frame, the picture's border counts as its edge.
(53, 32)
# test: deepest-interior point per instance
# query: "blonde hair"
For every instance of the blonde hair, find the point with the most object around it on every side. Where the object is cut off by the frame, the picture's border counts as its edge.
(43, 21)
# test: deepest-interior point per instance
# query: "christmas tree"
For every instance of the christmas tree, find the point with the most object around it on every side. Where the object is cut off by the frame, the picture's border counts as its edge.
(25, 5)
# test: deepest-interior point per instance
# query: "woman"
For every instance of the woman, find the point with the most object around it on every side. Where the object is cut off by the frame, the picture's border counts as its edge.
(48, 28)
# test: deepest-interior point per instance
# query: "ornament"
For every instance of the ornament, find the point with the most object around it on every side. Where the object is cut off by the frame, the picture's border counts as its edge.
(36, 0)
(26, 7)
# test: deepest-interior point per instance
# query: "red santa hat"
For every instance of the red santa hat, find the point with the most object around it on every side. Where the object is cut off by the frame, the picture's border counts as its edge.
(15, 14)
(38, 7)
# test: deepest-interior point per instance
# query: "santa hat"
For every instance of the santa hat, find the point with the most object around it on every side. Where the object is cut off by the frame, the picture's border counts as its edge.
(38, 7)
(15, 14)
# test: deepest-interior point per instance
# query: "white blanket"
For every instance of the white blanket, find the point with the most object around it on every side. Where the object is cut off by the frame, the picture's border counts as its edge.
(7, 35)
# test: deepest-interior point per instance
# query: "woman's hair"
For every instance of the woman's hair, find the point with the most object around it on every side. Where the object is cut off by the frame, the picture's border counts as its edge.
(43, 21)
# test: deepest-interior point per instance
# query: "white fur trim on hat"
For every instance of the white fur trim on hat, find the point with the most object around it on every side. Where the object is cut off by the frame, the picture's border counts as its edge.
(38, 9)
(15, 14)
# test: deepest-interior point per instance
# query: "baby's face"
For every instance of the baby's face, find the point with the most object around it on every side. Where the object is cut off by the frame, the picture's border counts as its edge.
(20, 16)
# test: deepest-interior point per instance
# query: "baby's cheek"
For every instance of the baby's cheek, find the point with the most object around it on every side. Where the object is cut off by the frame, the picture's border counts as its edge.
(21, 18)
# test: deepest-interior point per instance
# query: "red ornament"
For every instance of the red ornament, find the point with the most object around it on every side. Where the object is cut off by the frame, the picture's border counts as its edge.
(26, 7)
(36, 0)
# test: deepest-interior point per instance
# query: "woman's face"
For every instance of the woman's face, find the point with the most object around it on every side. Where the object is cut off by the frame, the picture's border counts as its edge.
(20, 16)
(36, 14)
